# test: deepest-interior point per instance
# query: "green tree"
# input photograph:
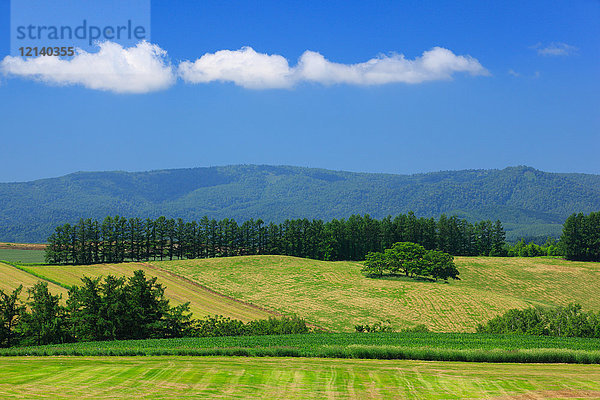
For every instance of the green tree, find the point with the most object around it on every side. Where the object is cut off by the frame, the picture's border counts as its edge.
(440, 265)
(406, 257)
(11, 311)
(375, 263)
(46, 322)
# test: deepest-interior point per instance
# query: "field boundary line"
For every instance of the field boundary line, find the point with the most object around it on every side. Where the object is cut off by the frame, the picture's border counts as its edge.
(39, 276)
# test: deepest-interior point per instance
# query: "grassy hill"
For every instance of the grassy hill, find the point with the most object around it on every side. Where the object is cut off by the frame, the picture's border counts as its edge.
(336, 295)
(527, 201)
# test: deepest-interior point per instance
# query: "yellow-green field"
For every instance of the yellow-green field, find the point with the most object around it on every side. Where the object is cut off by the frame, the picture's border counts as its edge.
(11, 278)
(336, 295)
(288, 378)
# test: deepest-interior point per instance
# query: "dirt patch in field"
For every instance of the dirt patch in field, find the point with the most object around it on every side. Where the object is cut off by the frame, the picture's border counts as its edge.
(23, 246)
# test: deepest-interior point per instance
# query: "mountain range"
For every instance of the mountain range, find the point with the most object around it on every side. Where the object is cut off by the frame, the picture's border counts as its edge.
(529, 202)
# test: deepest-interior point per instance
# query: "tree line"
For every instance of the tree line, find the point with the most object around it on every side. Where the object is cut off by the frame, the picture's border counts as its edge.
(116, 309)
(119, 239)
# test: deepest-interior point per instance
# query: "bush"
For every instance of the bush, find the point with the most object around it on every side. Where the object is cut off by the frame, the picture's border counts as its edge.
(383, 326)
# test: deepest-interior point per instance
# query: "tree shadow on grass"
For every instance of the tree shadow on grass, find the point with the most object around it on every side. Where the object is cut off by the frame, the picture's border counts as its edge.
(404, 278)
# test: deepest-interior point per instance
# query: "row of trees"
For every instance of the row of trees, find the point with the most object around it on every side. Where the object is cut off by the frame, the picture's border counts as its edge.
(115, 309)
(559, 321)
(412, 260)
(581, 237)
(117, 239)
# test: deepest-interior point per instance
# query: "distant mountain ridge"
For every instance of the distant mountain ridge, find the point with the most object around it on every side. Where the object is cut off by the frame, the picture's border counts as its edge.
(529, 202)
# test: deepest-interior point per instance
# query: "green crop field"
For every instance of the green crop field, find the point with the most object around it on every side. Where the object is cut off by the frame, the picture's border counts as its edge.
(288, 378)
(418, 346)
(22, 256)
(337, 296)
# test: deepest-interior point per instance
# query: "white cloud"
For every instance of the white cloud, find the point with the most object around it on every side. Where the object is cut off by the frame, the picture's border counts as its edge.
(555, 49)
(247, 68)
(138, 69)
(435, 64)
(144, 68)
(513, 73)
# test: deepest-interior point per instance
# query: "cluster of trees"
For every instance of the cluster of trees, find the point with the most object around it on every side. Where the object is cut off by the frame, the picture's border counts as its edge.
(118, 239)
(552, 247)
(112, 309)
(581, 237)
(115, 309)
(412, 260)
(225, 326)
(560, 321)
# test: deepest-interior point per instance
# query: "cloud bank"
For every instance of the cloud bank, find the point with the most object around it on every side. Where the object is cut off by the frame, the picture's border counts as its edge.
(138, 69)
(555, 49)
(252, 70)
(145, 68)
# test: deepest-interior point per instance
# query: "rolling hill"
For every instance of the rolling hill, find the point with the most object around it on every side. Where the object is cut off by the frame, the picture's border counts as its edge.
(336, 296)
(529, 202)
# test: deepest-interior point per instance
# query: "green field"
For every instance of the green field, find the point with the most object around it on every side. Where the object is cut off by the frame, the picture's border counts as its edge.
(288, 378)
(23, 256)
(417, 346)
(337, 296)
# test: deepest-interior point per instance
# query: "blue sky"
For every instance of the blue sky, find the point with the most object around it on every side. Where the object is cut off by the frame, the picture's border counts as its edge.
(530, 95)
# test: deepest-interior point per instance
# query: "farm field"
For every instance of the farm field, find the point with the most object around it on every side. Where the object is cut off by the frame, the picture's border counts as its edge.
(202, 301)
(337, 296)
(20, 255)
(289, 378)
(11, 278)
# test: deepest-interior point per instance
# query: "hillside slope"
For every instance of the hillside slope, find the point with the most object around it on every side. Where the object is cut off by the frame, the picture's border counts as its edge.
(336, 295)
(527, 201)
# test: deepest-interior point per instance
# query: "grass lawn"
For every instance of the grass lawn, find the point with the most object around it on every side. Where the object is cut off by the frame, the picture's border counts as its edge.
(288, 378)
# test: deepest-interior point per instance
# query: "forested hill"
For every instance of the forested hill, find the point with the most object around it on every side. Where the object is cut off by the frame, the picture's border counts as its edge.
(529, 202)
